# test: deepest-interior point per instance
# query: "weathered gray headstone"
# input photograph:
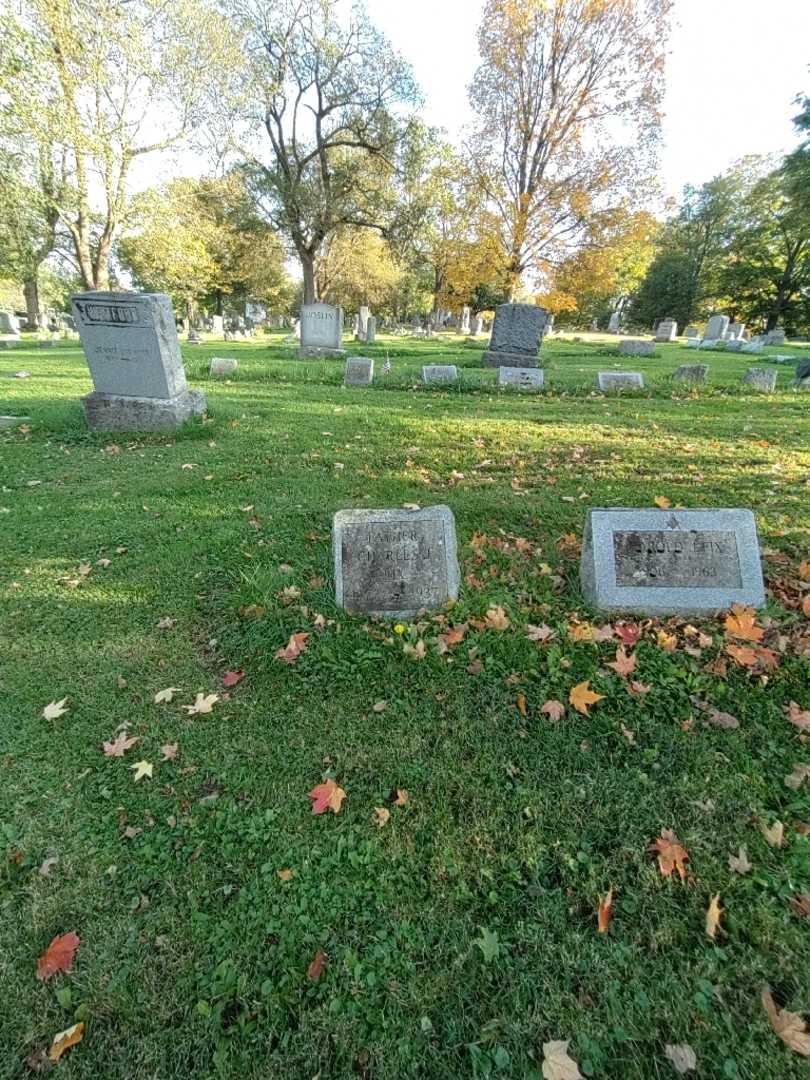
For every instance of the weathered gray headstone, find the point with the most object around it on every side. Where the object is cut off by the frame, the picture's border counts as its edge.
(711, 343)
(761, 379)
(359, 371)
(693, 343)
(775, 337)
(516, 336)
(694, 373)
(631, 347)
(717, 327)
(753, 347)
(371, 330)
(523, 378)
(321, 331)
(691, 332)
(363, 317)
(13, 421)
(9, 323)
(395, 563)
(671, 562)
(735, 345)
(223, 365)
(613, 323)
(130, 342)
(667, 330)
(736, 331)
(803, 374)
(441, 373)
(464, 322)
(620, 380)
(218, 324)
(477, 325)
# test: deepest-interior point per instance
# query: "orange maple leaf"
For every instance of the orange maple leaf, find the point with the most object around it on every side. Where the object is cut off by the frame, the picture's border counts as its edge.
(327, 796)
(581, 697)
(580, 631)
(671, 854)
(290, 652)
(58, 956)
(741, 623)
(315, 969)
(623, 665)
(806, 606)
(454, 635)
(63, 1041)
(744, 656)
(496, 618)
(521, 704)
(605, 911)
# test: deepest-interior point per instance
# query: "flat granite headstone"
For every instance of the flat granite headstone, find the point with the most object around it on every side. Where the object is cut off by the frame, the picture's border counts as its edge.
(359, 371)
(671, 562)
(620, 380)
(524, 378)
(321, 331)
(752, 347)
(735, 345)
(223, 365)
(130, 342)
(13, 421)
(630, 347)
(395, 563)
(761, 379)
(694, 373)
(693, 343)
(516, 336)
(775, 337)
(441, 373)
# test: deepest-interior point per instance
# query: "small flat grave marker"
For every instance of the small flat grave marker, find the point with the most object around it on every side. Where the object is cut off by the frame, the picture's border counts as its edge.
(359, 370)
(620, 380)
(441, 373)
(223, 365)
(694, 373)
(761, 379)
(631, 347)
(671, 562)
(395, 563)
(529, 379)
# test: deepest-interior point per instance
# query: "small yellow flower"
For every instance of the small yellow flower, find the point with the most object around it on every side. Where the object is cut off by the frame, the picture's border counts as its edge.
(399, 628)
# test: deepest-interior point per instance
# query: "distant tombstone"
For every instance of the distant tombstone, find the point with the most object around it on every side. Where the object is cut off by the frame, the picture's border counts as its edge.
(371, 330)
(693, 343)
(671, 562)
(516, 336)
(667, 330)
(693, 373)
(395, 563)
(711, 343)
(803, 374)
(439, 373)
(464, 323)
(359, 371)
(356, 328)
(194, 337)
(735, 345)
(321, 331)
(620, 380)
(363, 316)
(717, 327)
(218, 324)
(9, 323)
(613, 323)
(550, 322)
(752, 347)
(524, 378)
(691, 332)
(736, 331)
(631, 347)
(477, 325)
(780, 358)
(775, 337)
(222, 365)
(130, 342)
(761, 379)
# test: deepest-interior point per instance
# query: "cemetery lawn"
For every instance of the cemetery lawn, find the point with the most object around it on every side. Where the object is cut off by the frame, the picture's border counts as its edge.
(462, 934)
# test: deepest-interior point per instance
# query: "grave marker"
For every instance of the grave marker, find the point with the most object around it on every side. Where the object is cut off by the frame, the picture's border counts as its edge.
(694, 373)
(761, 379)
(530, 379)
(371, 330)
(630, 347)
(667, 330)
(321, 331)
(671, 562)
(222, 365)
(441, 373)
(717, 328)
(620, 380)
(359, 371)
(395, 563)
(516, 336)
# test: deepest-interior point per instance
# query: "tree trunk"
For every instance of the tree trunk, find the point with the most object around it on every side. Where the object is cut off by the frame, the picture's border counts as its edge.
(308, 266)
(32, 308)
(219, 302)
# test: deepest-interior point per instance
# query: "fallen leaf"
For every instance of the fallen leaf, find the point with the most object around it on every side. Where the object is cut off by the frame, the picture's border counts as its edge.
(801, 772)
(166, 623)
(741, 623)
(48, 865)
(379, 706)
(163, 696)
(745, 656)
(252, 611)
(623, 665)
(285, 875)
(540, 633)
(131, 831)
(381, 816)
(231, 678)
(169, 751)
(521, 704)
(58, 956)
(806, 607)
(682, 1056)
(672, 855)
(454, 635)
(55, 709)
(713, 913)
(801, 905)
(553, 709)
(628, 632)
(203, 703)
(804, 570)
(315, 969)
(774, 834)
(639, 688)
(64, 1040)
(739, 863)
(496, 618)
(289, 653)
(789, 1026)
(557, 1064)
(119, 746)
(667, 642)
(141, 769)
(662, 501)
(402, 797)
(417, 651)
(605, 911)
(327, 796)
(799, 717)
(581, 697)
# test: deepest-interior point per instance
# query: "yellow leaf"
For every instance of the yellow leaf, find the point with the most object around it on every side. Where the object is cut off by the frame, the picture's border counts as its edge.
(789, 1026)
(166, 695)
(402, 797)
(662, 501)
(55, 709)
(141, 769)
(774, 834)
(496, 618)
(285, 875)
(71, 1036)
(713, 914)
(581, 697)
(381, 816)
(203, 703)
(804, 570)
(741, 623)
(557, 1064)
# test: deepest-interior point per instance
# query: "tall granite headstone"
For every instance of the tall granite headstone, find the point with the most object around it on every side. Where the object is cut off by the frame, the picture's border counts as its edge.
(613, 323)
(395, 563)
(371, 330)
(130, 342)
(667, 330)
(464, 323)
(717, 328)
(477, 325)
(321, 331)
(516, 336)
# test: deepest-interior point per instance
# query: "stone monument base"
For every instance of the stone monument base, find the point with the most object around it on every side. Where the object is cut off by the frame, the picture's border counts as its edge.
(310, 352)
(509, 359)
(114, 412)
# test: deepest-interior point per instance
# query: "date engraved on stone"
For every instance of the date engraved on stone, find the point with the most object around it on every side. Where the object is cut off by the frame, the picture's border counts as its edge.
(667, 559)
(390, 567)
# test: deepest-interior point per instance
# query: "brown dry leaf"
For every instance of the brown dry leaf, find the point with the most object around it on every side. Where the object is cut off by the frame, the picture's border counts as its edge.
(672, 855)
(804, 570)
(55, 709)
(58, 956)
(315, 969)
(285, 875)
(580, 631)
(164, 696)
(553, 709)
(381, 816)
(521, 704)
(605, 911)
(806, 607)
(682, 1057)
(623, 665)
(789, 1026)
(540, 633)
(169, 751)
(496, 618)
(774, 834)
(454, 635)
(402, 797)
(582, 697)
(119, 746)
(739, 863)
(713, 914)
(290, 652)
(639, 688)
(799, 717)
(745, 657)
(379, 706)
(557, 1064)
(801, 905)
(71, 1036)
(327, 796)
(667, 642)
(203, 703)
(741, 623)
(801, 772)
(417, 651)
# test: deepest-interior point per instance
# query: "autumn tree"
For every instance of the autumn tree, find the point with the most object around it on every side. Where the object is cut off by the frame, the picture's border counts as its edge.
(356, 266)
(567, 100)
(326, 88)
(98, 85)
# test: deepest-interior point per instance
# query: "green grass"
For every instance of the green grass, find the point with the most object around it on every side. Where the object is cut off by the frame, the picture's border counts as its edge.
(194, 953)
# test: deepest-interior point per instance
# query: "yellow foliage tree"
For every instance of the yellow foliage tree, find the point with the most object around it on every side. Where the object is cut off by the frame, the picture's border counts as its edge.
(356, 267)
